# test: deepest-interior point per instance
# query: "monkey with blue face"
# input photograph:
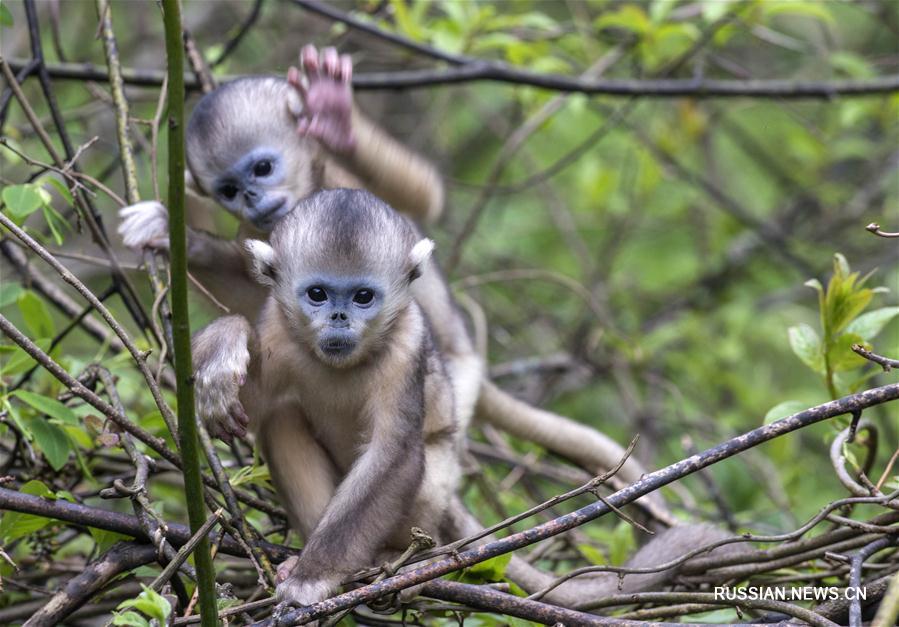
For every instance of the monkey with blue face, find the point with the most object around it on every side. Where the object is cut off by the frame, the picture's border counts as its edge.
(353, 406)
(259, 145)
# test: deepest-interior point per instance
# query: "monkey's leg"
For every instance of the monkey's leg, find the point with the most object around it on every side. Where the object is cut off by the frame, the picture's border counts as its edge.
(361, 516)
(301, 469)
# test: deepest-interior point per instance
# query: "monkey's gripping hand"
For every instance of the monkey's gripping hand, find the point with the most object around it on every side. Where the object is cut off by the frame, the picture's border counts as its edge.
(221, 354)
(326, 113)
(145, 225)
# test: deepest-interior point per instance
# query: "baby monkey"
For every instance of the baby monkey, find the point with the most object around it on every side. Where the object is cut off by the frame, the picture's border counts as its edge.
(351, 404)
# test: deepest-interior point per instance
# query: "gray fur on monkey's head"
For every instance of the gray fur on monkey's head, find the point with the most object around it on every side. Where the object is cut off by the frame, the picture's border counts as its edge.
(244, 152)
(340, 266)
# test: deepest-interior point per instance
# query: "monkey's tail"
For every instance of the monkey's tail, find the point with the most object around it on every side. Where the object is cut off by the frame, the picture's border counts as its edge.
(664, 547)
(581, 444)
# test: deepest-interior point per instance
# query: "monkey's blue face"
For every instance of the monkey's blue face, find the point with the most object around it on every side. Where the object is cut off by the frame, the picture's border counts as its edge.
(339, 310)
(252, 188)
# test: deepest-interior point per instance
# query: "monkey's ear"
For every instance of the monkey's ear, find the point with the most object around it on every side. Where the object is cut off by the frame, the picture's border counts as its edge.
(190, 184)
(263, 258)
(418, 256)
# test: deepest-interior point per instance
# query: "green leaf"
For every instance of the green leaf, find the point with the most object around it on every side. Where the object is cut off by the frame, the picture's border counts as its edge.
(490, 570)
(806, 345)
(51, 440)
(47, 405)
(9, 292)
(622, 544)
(22, 200)
(628, 17)
(130, 619)
(842, 357)
(782, 410)
(20, 361)
(150, 603)
(868, 325)
(809, 8)
(5, 16)
(56, 223)
(593, 555)
(37, 316)
(15, 525)
(60, 188)
(105, 539)
(851, 64)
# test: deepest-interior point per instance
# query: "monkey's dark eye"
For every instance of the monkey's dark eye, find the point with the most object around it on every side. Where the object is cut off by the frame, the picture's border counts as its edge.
(316, 294)
(363, 296)
(229, 191)
(263, 168)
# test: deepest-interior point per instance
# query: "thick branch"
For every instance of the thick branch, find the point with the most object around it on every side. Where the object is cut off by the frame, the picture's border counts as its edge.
(478, 70)
(649, 483)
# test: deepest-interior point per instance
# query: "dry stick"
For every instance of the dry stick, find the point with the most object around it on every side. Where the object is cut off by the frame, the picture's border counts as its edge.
(244, 531)
(647, 484)
(479, 70)
(855, 574)
(885, 362)
(875, 228)
(82, 392)
(126, 524)
(889, 606)
(121, 557)
(129, 172)
(71, 279)
(185, 551)
(151, 522)
(483, 598)
(711, 598)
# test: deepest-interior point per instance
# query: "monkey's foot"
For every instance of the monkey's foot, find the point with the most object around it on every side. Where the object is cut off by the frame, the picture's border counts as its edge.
(285, 568)
(145, 225)
(324, 87)
(301, 592)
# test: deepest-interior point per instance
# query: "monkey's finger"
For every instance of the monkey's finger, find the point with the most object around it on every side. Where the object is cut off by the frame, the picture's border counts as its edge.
(238, 413)
(330, 61)
(295, 80)
(346, 68)
(309, 60)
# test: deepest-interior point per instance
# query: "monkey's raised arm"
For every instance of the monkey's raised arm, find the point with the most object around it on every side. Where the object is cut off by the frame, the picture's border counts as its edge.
(385, 167)
(407, 181)
(356, 523)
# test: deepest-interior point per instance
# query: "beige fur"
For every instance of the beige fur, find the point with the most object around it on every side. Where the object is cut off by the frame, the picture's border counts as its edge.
(260, 113)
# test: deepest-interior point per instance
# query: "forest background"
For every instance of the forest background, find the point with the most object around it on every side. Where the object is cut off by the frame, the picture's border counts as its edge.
(685, 260)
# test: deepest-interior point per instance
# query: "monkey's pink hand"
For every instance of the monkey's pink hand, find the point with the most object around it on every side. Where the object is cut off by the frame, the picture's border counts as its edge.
(145, 225)
(220, 373)
(327, 96)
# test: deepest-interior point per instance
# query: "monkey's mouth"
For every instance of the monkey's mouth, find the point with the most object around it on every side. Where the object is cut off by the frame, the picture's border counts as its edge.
(338, 346)
(266, 217)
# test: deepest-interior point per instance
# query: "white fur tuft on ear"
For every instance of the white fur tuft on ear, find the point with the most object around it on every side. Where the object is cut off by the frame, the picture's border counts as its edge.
(418, 256)
(263, 258)
(421, 251)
